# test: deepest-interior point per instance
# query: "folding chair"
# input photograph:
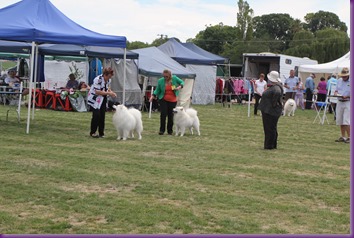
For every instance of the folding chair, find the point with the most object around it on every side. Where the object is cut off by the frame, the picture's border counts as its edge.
(321, 108)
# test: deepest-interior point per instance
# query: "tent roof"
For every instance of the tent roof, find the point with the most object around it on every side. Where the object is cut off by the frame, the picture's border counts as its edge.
(183, 55)
(91, 51)
(153, 61)
(15, 47)
(42, 22)
(193, 47)
(330, 67)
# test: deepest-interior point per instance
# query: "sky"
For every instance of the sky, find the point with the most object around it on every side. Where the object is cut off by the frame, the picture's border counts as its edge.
(146, 20)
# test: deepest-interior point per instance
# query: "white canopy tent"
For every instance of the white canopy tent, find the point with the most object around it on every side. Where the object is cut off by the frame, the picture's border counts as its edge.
(326, 69)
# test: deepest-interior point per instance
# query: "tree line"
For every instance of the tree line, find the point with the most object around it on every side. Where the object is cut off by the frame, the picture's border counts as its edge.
(322, 36)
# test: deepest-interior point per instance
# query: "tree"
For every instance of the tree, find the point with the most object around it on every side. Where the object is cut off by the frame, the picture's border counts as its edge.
(136, 45)
(213, 38)
(330, 44)
(301, 44)
(159, 41)
(244, 20)
(322, 20)
(275, 27)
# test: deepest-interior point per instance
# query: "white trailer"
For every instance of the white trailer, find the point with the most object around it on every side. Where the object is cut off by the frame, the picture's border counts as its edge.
(257, 63)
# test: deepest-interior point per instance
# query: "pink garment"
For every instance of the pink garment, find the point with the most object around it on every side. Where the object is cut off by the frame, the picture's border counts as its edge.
(238, 86)
(322, 85)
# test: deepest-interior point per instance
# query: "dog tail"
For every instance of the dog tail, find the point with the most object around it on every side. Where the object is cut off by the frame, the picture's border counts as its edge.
(191, 112)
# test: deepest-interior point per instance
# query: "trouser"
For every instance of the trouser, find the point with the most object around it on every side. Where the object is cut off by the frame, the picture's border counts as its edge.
(321, 97)
(98, 119)
(289, 95)
(166, 109)
(270, 130)
(309, 95)
(257, 97)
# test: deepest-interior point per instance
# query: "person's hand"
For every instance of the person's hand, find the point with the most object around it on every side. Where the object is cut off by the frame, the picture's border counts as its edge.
(151, 98)
(112, 94)
(179, 87)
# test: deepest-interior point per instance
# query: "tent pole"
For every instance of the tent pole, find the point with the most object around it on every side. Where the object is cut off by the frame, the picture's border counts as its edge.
(249, 100)
(30, 87)
(124, 74)
(35, 82)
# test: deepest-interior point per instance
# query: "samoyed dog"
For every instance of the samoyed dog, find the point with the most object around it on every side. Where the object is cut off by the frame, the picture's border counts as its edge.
(290, 107)
(185, 118)
(126, 121)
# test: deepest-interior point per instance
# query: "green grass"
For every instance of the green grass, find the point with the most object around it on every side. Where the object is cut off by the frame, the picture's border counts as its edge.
(59, 180)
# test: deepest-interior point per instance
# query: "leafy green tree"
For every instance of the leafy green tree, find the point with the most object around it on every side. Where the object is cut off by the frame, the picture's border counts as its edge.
(322, 20)
(301, 44)
(159, 41)
(136, 45)
(330, 44)
(244, 20)
(213, 38)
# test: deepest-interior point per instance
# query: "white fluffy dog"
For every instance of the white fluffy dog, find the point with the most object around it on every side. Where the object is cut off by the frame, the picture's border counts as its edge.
(185, 118)
(126, 121)
(290, 107)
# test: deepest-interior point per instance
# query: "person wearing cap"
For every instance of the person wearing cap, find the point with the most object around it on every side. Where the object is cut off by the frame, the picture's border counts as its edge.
(271, 107)
(97, 100)
(342, 91)
(309, 86)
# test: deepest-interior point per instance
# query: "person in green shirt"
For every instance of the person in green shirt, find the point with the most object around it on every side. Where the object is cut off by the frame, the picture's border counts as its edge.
(166, 92)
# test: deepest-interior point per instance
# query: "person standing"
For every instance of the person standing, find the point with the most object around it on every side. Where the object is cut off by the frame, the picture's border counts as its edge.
(97, 100)
(291, 84)
(260, 85)
(322, 90)
(166, 92)
(299, 96)
(331, 83)
(343, 105)
(310, 86)
(271, 107)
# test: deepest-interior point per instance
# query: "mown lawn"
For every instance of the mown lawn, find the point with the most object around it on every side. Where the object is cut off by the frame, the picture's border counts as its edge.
(59, 180)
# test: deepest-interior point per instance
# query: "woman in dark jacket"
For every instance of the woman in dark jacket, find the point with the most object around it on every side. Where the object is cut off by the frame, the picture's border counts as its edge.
(271, 108)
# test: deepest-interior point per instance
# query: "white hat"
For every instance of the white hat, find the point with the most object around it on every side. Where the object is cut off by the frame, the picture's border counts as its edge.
(273, 76)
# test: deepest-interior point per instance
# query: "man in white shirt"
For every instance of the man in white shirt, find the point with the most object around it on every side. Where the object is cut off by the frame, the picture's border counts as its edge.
(342, 91)
(291, 84)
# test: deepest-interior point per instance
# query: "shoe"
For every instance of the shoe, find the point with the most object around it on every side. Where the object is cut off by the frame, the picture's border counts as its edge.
(341, 139)
(101, 136)
(347, 140)
(161, 133)
(170, 133)
(94, 135)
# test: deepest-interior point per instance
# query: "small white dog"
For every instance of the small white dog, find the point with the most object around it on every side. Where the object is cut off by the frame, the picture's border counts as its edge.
(290, 107)
(185, 118)
(126, 121)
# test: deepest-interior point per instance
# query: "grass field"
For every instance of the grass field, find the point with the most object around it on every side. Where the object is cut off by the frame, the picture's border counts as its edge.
(59, 180)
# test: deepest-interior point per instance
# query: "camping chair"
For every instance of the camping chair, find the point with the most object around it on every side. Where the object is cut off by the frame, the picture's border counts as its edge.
(321, 108)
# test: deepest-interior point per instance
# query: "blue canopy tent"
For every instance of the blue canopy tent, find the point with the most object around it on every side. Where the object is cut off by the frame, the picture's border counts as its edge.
(183, 55)
(216, 58)
(205, 69)
(39, 21)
